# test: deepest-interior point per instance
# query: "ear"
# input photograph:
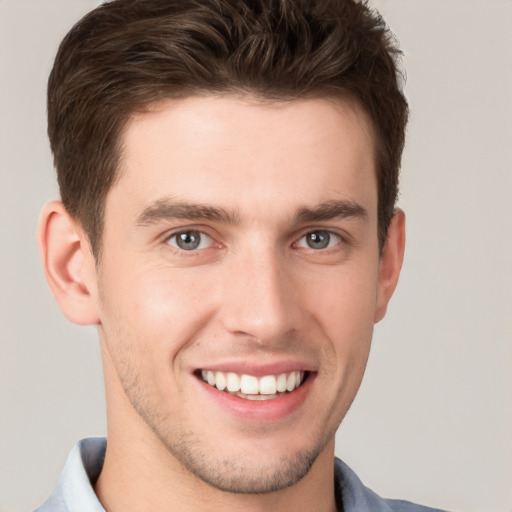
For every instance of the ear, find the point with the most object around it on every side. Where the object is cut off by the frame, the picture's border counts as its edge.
(68, 264)
(390, 263)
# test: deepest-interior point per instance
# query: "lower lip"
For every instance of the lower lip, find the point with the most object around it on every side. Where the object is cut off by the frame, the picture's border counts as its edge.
(266, 411)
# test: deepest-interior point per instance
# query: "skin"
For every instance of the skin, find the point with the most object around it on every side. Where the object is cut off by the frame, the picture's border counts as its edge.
(253, 296)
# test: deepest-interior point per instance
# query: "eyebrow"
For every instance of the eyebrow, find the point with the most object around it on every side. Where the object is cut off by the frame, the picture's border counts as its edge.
(167, 208)
(331, 210)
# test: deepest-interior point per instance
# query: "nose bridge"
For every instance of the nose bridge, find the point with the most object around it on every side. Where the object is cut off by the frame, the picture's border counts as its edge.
(258, 295)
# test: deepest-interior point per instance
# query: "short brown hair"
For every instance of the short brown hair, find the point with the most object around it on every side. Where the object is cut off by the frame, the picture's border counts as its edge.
(128, 54)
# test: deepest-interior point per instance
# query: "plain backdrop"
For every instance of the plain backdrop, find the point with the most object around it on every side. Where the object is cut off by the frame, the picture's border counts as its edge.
(433, 420)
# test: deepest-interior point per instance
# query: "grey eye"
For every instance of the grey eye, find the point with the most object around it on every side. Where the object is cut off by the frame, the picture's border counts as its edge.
(189, 240)
(319, 240)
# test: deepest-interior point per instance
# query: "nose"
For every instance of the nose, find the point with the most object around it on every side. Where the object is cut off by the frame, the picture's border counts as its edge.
(260, 297)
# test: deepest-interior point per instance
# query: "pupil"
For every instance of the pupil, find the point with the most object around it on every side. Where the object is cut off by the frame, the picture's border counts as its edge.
(318, 239)
(188, 241)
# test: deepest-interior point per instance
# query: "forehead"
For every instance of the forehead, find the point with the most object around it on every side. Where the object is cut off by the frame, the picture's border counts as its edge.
(247, 154)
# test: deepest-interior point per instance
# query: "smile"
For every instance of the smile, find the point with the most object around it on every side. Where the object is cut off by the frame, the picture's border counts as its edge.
(251, 387)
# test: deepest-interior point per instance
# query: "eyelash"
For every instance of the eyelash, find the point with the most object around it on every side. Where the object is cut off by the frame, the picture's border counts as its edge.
(330, 236)
(190, 232)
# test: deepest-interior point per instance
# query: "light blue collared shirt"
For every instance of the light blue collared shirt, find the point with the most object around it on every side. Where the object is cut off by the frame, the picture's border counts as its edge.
(75, 493)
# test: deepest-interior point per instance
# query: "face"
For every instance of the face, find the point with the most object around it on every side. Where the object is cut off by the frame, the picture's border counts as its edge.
(238, 286)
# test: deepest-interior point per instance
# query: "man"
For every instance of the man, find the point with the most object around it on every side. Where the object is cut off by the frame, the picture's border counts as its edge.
(228, 173)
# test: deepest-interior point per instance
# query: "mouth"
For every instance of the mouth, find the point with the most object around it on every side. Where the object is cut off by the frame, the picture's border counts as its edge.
(251, 387)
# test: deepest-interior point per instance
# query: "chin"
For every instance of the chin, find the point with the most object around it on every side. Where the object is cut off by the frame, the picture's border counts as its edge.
(244, 474)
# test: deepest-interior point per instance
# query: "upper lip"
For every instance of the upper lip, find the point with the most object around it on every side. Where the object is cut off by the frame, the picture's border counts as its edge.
(258, 369)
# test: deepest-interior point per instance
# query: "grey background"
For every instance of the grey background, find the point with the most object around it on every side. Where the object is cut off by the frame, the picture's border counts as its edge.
(433, 419)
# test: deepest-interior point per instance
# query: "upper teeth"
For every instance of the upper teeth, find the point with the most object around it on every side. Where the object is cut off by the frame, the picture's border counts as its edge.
(251, 385)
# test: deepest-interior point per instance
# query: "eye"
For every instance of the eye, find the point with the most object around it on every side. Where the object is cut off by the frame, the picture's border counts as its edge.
(319, 240)
(190, 240)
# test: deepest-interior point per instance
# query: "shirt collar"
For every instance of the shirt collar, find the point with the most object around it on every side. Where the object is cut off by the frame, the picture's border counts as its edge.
(74, 491)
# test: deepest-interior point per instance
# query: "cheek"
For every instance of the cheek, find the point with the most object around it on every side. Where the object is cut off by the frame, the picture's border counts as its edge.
(147, 319)
(159, 309)
(344, 302)
(344, 307)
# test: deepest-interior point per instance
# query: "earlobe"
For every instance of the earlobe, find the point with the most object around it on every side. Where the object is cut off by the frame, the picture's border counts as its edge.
(68, 264)
(390, 263)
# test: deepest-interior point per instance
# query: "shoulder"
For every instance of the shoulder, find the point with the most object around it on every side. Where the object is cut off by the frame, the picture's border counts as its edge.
(356, 497)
